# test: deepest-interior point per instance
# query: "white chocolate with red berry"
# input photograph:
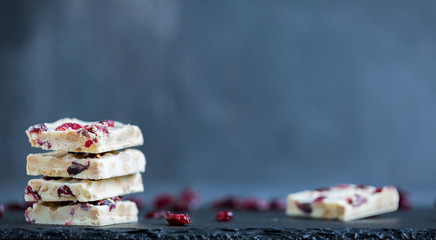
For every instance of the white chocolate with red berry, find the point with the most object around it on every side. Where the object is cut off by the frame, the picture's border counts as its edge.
(344, 202)
(86, 165)
(83, 190)
(107, 212)
(73, 135)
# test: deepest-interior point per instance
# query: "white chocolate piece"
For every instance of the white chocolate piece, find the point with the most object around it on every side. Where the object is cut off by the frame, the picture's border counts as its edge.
(101, 138)
(343, 202)
(86, 166)
(83, 214)
(82, 190)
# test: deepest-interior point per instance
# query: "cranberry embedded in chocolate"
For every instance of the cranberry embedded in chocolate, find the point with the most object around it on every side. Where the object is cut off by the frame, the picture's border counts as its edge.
(72, 211)
(77, 168)
(107, 202)
(319, 199)
(379, 189)
(43, 143)
(356, 200)
(88, 143)
(66, 126)
(109, 123)
(224, 216)
(85, 207)
(155, 214)
(97, 127)
(69, 223)
(177, 219)
(305, 207)
(65, 190)
(164, 201)
(33, 193)
(38, 128)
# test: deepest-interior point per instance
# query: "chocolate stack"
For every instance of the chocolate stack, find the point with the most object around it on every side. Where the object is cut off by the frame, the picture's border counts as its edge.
(86, 173)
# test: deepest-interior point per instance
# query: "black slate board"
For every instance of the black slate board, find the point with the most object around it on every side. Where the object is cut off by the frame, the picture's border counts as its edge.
(415, 224)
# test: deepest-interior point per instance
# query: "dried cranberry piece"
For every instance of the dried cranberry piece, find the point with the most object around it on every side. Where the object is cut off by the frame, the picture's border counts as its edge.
(28, 219)
(357, 200)
(305, 207)
(88, 143)
(319, 199)
(164, 201)
(38, 128)
(72, 211)
(224, 216)
(95, 127)
(251, 203)
(109, 123)
(227, 202)
(405, 202)
(43, 143)
(188, 201)
(65, 190)
(66, 126)
(140, 202)
(14, 206)
(85, 207)
(177, 219)
(77, 168)
(2, 209)
(83, 132)
(107, 202)
(33, 193)
(277, 205)
(155, 214)
(119, 198)
(379, 189)
(69, 223)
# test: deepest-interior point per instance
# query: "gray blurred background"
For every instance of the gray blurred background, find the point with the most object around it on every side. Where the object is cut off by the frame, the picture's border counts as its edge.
(247, 97)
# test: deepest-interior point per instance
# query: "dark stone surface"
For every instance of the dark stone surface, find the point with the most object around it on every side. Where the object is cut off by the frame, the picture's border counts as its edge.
(416, 224)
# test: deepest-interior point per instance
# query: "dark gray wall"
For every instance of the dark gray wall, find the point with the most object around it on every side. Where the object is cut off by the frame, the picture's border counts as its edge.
(242, 94)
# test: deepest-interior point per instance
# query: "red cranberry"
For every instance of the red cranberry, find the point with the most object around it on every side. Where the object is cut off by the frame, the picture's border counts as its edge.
(14, 206)
(379, 189)
(85, 207)
(97, 127)
(177, 219)
(28, 219)
(188, 201)
(88, 143)
(224, 216)
(319, 199)
(66, 126)
(33, 193)
(140, 202)
(109, 123)
(43, 143)
(155, 214)
(107, 202)
(405, 202)
(77, 168)
(119, 198)
(65, 190)
(357, 201)
(227, 202)
(83, 132)
(252, 203)
(277, 205)
(72, 211)
(2, 209)
(69, 223)
(164, 201)
(305, 207)
(38, 128)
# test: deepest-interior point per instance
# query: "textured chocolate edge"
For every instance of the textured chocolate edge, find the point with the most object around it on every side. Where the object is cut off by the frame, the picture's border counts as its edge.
(222, 233)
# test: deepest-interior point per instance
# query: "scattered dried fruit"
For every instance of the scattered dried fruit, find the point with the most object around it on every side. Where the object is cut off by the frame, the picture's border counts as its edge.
(164, 201)
(177, 219)
(65, 190)
(77, 168)
(305, 207)
(155, 214)
(224, 216)
(38, 128)
(33, 193)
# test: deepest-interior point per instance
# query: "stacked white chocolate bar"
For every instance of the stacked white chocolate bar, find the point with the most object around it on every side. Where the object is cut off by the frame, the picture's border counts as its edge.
(344, 202)
(86, 174)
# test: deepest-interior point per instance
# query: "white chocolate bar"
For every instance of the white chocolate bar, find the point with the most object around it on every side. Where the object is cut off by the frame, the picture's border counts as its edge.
(86, 166)
(84, 214)
(343, 202)
(82, 190)
(73, 135)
